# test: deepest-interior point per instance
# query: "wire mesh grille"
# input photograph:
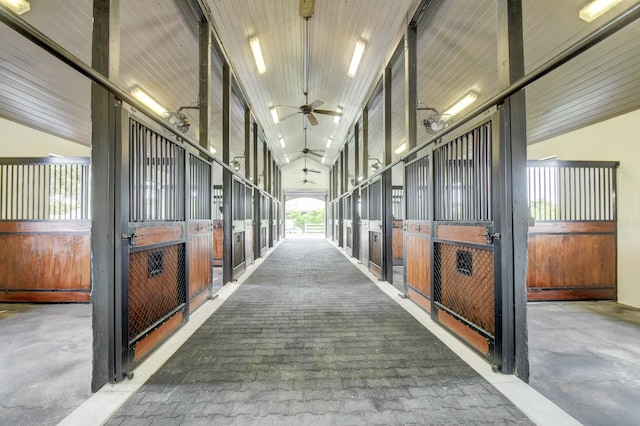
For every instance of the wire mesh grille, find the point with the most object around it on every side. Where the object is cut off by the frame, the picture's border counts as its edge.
(156, 286)
(417, 181)
(397, 198)
(572, 191)
(44, 189)
(464, 283)
(375, 200)
(463, 177)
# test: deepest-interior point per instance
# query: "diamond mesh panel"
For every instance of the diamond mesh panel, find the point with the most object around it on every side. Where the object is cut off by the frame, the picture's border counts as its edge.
(156, 286)
(464, 283)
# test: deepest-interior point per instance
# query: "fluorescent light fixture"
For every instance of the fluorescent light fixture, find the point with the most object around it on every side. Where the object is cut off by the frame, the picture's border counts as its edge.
(257, 55)
(212, 150)
(336, 118)
(596, 8)
(286, 159)
(467, 100)
(281, 139)
(324, 159)
(18, 6)
(148, 101)
(401, 148)
(355, 60)
(274, 114)
(360, 178)
(329, 142)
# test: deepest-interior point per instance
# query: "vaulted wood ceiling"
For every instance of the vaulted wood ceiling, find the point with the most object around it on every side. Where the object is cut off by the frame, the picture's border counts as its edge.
(456, 45)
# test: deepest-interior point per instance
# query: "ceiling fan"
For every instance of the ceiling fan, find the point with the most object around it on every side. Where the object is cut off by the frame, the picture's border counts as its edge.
(315, 152)
(308, 110)
(307, 170)
(305, 181)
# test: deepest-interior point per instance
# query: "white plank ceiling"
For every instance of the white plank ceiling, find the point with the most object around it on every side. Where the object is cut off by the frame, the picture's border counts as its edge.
(456, 53)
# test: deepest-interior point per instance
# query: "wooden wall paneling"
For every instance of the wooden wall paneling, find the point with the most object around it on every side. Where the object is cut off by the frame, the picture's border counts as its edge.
(39, 261)
(148, 235)
(462, 234)
(398, 243)
(218, 239)
(417, 262)
(200, 242)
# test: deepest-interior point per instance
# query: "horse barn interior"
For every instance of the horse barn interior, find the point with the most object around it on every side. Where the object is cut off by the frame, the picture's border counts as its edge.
(477, 162)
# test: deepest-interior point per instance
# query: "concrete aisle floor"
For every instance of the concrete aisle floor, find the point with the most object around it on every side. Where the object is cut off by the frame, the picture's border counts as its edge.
(308, 339)
(585, 357)
(45, 362)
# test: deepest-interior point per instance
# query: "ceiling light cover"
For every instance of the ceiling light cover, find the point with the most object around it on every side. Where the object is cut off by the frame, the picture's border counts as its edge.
(274, 114)
(148, 101)
(329, 142)
(336, 119)
(596, 8)
(257, 55)
(324, 159)
(355, 60)
(286, 159)
(18, 6)
(401, 148)
(281, 141)
(467, 100)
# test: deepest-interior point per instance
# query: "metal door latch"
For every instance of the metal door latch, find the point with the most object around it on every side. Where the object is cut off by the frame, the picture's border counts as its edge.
(131, 237)
(490, 237)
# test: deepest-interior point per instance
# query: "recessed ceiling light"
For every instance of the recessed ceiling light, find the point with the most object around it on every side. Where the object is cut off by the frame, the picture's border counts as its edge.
(336, 118)
(467, 100)
(257, 55)
(401, 148)
(274, 114)
(596, 8)
(355, 59)
(147, 100)
(18, 6)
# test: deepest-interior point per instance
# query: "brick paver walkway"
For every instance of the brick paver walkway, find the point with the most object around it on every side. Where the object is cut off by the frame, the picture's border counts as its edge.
(309, 340)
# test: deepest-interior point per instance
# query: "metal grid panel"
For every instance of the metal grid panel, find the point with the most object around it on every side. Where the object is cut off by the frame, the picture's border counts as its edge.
(364, 203)
(200, 178)
(44, 189)
(238, 200)
(375, 200)
(156, 286)
(397, 198)
(463, 177)
(156, 176)
(417, 182)
(346, 206)
(572, 192)
(464, 283)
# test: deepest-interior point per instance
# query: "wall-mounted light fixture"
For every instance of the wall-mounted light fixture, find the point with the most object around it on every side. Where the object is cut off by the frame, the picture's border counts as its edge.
(235, 163)
(329, 142)
(376, 163)
(257, 55)
(212, 150)
(148, 101)
(18, 6)
(336, 119)
(274, 114)
(355, 59)
(467, 100)
(596, 8)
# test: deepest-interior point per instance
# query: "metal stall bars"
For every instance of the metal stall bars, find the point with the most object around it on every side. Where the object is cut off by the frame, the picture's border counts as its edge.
(200, 231)
(573, 237)
(375, 240)
(364, 225)
(264, 224)
(154, 233)
(238, 227)
(417, 236)
(465, 257)
(45, 230)
(397, 199)
(218, 226)
(347, 208)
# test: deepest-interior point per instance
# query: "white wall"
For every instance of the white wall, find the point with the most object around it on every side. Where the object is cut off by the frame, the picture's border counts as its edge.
(17, 140)
(617, 139)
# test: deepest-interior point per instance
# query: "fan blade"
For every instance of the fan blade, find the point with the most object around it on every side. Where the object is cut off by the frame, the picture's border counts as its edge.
(312, 119)
(314, 171)
(315, 104)
(289, 116)
(315, 154)
(328, 112)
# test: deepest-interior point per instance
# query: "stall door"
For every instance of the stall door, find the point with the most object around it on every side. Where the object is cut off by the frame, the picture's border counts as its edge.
(464, 239)
(376, 245)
